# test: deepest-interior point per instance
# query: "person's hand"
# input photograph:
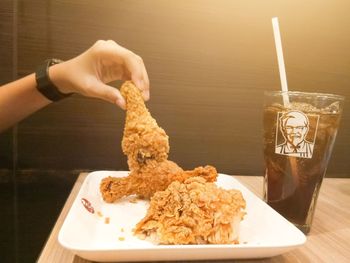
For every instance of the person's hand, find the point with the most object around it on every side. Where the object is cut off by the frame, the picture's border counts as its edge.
(104, 62)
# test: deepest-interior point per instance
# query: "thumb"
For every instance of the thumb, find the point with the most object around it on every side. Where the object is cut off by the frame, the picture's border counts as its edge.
(110, 94)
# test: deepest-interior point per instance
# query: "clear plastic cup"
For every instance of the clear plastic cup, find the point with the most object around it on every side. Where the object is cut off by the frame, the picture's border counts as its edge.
(298, 142)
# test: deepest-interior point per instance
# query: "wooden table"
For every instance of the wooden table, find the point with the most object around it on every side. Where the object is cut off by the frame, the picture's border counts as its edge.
(328, 241)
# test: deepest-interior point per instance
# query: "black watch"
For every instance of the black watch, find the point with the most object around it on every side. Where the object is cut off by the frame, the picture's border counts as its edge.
(45, 85)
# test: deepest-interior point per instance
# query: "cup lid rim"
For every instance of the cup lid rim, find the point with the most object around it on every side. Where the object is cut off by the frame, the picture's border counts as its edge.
(317, 94)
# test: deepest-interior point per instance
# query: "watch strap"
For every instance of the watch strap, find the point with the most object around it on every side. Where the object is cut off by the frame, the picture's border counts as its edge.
(44, 83)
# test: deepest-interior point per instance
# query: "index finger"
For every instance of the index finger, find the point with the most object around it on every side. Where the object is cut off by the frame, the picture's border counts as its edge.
(145, 82)
(139, 76)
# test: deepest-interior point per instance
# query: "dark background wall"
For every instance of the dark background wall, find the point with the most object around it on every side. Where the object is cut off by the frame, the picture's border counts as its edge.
(209, 63)
(7, 72)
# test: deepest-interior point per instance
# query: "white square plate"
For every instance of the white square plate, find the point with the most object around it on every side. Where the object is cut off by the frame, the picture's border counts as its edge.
(263, 232)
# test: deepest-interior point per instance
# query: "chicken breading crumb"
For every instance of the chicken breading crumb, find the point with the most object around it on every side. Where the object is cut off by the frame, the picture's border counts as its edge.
(99, 214)
(193, 212)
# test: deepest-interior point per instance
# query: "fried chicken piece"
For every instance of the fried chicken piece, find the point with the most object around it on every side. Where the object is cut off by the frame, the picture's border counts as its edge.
(193, 212)
(147, 182)
(143, 139)
(146, 146)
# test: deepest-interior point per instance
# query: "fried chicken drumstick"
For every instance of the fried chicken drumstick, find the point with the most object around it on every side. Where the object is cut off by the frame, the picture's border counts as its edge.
(147, 147)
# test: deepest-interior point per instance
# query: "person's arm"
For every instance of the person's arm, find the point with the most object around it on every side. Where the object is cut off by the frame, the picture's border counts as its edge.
(86, 74)
(19, 99)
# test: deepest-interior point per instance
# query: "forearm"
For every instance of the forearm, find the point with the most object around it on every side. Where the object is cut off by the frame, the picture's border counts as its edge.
(18, 100)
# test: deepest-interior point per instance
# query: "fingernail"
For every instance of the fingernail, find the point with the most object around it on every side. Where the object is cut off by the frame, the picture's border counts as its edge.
(146, 95)
(121, 103)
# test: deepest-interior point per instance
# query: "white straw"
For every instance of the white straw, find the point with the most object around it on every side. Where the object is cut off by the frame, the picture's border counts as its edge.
(281, 67)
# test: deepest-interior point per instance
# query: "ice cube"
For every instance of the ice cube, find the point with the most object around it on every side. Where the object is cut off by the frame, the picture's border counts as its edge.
(332, 108)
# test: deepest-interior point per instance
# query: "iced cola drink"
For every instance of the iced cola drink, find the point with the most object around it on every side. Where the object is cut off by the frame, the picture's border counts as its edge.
(299, 133)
